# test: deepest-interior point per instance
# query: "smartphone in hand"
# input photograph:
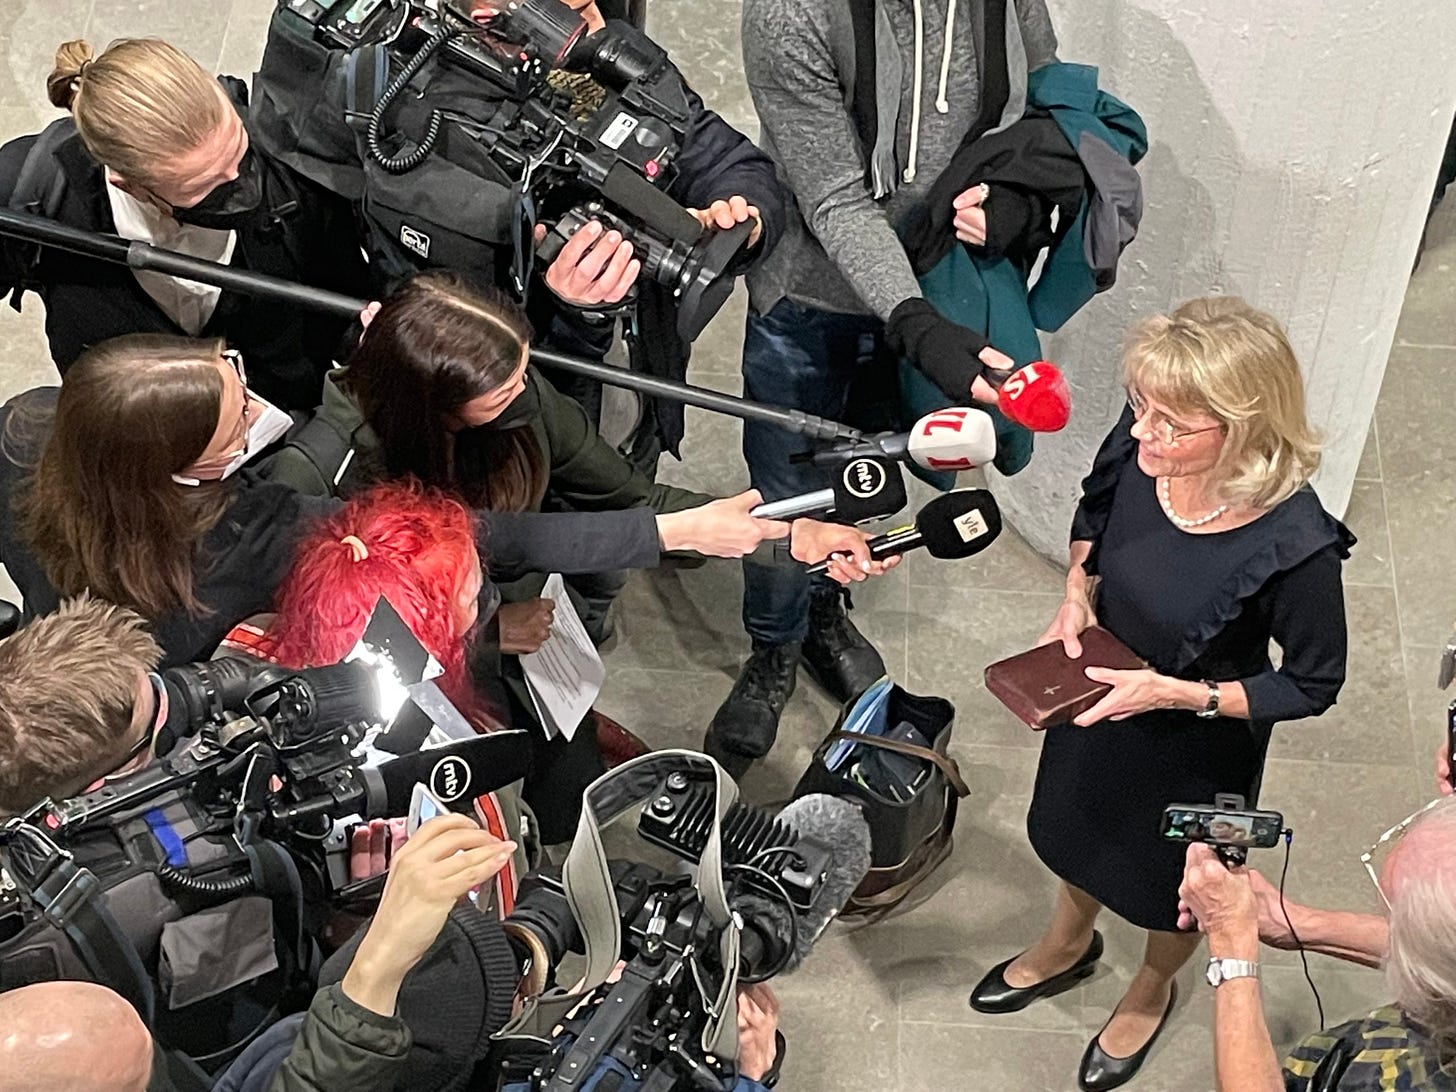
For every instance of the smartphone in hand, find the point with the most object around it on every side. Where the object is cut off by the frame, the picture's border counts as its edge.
(424, 805)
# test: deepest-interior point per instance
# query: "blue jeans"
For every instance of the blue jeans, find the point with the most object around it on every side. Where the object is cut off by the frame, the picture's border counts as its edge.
(803, 359)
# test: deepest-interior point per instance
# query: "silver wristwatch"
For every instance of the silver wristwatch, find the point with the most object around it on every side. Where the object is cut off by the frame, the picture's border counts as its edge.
(1221, 970)
(1210, 709)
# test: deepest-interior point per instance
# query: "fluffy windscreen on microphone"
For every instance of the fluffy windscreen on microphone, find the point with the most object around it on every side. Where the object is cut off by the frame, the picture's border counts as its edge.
(840, 827)
(1038, 397)
(959, 524)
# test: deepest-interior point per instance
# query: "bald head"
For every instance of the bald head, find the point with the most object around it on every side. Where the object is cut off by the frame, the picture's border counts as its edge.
(72, 1035)
(1425, 856)
(1419, 880)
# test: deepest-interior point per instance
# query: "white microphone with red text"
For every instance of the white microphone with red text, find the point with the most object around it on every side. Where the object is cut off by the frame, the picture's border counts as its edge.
(953, 438)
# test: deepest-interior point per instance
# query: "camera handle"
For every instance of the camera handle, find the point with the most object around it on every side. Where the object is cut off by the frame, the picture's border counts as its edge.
(1232, 856)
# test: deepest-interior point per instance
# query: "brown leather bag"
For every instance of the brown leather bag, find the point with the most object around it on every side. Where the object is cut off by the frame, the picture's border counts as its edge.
(1044, 686)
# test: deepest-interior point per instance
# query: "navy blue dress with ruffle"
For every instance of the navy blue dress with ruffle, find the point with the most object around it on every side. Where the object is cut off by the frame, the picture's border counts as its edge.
(1194, 606)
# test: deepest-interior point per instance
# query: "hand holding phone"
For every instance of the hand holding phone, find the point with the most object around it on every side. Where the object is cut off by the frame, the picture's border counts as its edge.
(424, 805)
(1226, 825)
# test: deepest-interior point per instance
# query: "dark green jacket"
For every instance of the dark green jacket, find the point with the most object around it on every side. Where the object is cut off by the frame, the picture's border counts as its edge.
(586, 473)
(343, 1045)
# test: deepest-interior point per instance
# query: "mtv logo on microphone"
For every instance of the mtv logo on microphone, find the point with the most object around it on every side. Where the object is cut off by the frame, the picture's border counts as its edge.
(865, 478)
(450, 778)
(971, 526)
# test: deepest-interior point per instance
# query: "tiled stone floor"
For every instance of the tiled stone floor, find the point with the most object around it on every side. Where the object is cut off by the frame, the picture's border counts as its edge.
(884, 1006)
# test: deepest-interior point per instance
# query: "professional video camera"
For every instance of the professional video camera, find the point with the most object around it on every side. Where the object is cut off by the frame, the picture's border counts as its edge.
(194, 886)
(781, 878)
(491, 145)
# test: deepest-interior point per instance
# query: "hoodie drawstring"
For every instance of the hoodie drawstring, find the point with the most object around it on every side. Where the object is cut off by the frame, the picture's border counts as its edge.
(942, 104)
(909, 173)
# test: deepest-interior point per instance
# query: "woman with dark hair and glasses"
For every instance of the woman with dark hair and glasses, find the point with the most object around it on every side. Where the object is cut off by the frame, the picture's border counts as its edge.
(1203, 541)
(124, 481)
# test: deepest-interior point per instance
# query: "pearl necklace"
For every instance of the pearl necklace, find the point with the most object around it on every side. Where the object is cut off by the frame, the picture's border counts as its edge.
(1183, 521)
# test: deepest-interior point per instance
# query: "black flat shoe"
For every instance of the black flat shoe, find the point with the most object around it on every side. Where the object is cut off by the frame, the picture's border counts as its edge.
(1100, 1071)
(994, 995)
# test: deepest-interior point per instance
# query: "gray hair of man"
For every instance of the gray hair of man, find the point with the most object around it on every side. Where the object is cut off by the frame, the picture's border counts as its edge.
(1419, 879)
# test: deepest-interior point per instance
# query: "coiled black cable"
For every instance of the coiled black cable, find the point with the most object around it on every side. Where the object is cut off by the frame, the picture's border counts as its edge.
(407, 161)
(197, 885)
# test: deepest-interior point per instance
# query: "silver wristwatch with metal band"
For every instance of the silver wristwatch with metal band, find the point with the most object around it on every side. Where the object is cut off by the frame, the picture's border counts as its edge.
(1221, 970)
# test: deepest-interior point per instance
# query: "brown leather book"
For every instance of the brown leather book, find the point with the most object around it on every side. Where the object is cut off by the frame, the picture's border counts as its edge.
(1044, 686)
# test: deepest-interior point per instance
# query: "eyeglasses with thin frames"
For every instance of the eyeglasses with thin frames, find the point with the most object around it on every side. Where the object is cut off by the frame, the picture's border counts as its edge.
(234, 360)
(1368, 857)
(149, 736)
(1162, 427)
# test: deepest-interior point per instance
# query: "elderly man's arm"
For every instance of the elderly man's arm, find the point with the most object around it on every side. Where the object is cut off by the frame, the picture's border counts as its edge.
(1243, 1053)
(1221, 901)
(1355, 938)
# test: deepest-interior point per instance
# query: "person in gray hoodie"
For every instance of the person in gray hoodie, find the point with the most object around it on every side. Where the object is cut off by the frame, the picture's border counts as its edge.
(862, 104)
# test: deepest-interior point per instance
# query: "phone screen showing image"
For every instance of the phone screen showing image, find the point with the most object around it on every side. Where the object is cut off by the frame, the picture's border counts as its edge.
(423, 807)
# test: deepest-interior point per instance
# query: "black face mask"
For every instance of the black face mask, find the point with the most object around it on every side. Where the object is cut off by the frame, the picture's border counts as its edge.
(231, 204)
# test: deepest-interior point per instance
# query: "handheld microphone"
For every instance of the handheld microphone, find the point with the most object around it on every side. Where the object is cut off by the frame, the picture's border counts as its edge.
(456, 773)
(954, 438)
(837, 826)
(953, 525)
(1037, 397)
(865, 488)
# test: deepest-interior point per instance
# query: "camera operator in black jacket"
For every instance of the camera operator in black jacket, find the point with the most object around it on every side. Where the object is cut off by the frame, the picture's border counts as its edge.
(459, 208)
(157, 150)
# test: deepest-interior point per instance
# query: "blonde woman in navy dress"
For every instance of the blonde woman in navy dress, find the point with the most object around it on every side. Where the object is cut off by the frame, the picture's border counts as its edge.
(1203, 541)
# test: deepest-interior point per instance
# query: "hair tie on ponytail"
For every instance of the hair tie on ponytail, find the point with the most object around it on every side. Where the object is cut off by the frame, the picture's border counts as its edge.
(356, 547)
(81, 68)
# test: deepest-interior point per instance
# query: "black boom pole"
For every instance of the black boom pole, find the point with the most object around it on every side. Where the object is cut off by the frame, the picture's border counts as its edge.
(137, 255)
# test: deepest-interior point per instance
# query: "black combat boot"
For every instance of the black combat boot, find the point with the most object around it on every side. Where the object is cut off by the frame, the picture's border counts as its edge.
(746, 723)
(837, 656)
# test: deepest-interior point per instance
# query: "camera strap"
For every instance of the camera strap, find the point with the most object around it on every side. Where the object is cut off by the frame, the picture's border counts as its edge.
(73, 900)
(587, 880)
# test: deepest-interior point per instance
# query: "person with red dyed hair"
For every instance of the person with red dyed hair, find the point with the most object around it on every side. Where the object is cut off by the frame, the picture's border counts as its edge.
(411, 546)
(415, 548)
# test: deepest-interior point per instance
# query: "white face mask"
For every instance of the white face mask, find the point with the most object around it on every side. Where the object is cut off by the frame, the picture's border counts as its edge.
(267, 427)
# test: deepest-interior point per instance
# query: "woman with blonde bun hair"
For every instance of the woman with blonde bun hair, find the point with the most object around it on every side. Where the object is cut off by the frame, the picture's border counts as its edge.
(157, 149)
(1203, 541)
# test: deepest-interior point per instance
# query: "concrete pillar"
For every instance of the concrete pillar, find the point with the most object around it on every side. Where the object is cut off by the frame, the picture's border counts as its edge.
(1294, 148)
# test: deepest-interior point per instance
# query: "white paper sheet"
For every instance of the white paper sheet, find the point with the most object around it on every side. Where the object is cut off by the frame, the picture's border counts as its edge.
(565, 674)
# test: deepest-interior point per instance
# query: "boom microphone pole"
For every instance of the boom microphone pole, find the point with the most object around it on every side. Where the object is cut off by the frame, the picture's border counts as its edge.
(145, 256)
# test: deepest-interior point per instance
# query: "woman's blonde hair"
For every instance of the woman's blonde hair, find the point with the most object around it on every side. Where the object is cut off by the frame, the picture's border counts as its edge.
(137, 105)
(1218, 357)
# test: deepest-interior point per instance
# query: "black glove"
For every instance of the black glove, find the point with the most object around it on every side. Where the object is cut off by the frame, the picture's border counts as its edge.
(1018, 226)
(947, 352)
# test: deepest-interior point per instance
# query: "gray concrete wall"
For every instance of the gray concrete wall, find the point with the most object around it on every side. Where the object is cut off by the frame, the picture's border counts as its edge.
(1294, 146)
